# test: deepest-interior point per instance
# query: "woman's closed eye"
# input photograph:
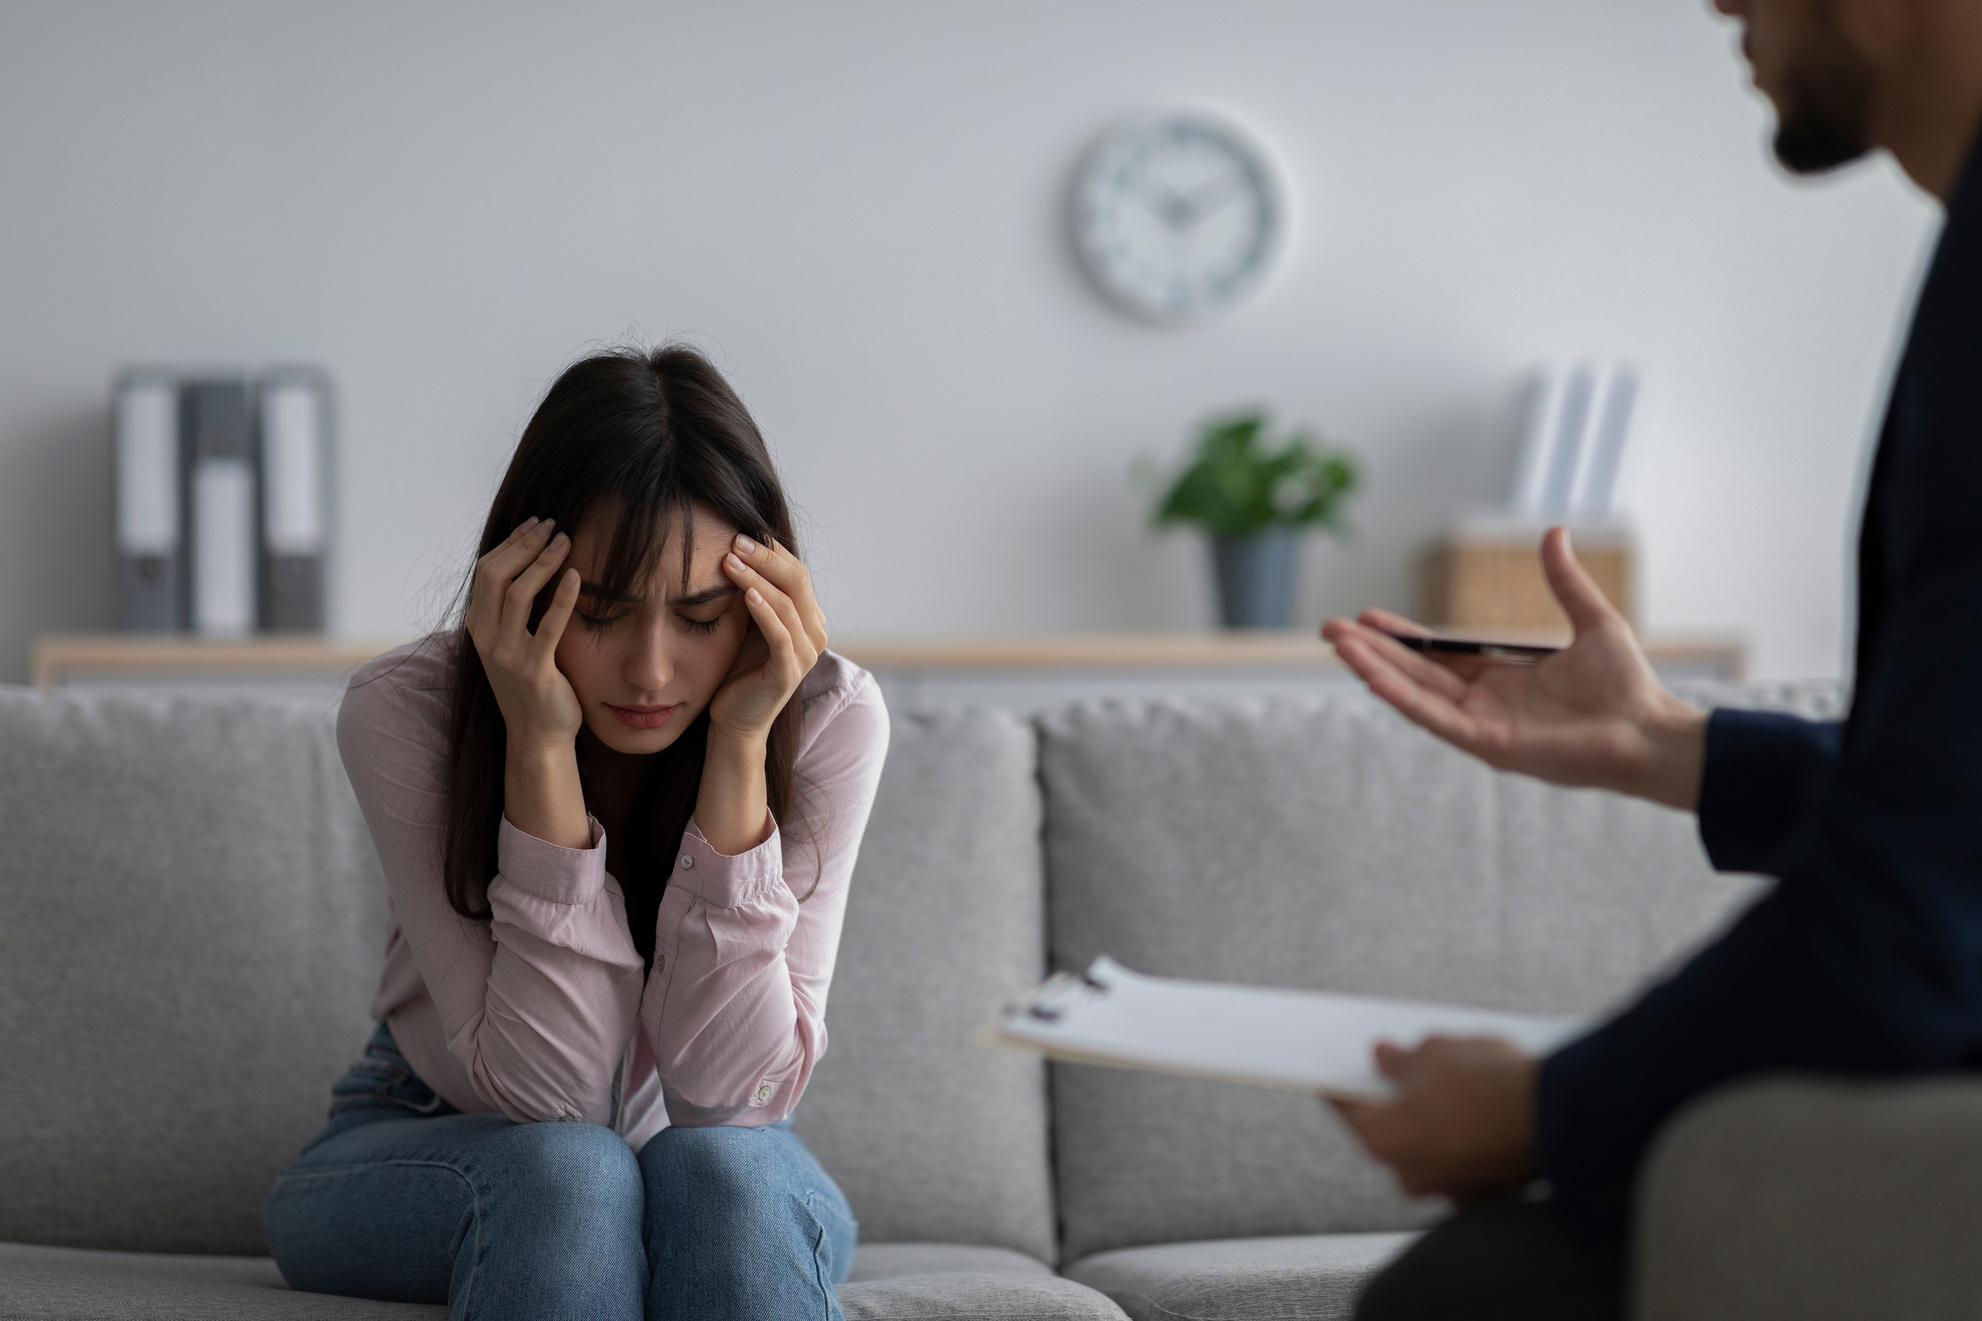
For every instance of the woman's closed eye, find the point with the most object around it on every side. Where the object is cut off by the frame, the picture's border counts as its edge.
(601, 623)
(693, 625)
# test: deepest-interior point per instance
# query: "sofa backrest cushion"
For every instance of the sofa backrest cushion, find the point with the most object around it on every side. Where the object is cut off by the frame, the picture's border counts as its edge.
(932, 1137)
(1326, 844)
(191, 926)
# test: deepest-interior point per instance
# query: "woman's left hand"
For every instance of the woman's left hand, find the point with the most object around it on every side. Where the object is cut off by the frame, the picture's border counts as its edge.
(791, 632)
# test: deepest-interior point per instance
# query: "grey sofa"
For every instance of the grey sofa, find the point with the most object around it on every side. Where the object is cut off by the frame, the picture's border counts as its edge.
(190, 928)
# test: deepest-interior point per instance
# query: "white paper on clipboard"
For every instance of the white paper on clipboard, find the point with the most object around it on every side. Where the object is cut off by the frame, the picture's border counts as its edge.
(1311, 1041)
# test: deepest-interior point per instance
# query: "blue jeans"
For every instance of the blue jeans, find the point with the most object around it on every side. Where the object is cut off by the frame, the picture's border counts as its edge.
(403, 1197)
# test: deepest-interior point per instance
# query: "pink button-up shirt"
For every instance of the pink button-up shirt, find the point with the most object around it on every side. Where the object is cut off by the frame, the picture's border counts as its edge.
(545, 1012)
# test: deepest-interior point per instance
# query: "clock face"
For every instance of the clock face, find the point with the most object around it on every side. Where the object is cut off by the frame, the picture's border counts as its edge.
(1175, 217)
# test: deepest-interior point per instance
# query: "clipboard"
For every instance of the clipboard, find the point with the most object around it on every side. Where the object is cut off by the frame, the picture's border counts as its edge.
(1310, 1041)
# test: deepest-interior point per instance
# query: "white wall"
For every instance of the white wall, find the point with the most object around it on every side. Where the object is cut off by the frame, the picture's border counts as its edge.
(858, 209)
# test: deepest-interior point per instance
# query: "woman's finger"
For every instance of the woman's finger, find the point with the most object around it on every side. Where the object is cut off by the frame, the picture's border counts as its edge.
(777, 565)
(777, 637)
(495, 569)
(521, 597)
(787, 572)
(543, 647)
(781, 604)
(806, 599)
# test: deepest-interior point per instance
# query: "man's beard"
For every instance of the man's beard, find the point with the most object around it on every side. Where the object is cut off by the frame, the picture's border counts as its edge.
(1826, 103)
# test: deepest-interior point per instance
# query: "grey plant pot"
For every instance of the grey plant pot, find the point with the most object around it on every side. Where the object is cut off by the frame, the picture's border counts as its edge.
(1256, 578)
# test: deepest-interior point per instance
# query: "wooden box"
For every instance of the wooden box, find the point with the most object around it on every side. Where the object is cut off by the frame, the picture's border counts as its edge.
(1476, 581)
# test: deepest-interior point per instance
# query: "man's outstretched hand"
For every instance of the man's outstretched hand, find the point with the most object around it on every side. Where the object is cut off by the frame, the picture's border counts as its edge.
(1462, 1121)
(1593, 714)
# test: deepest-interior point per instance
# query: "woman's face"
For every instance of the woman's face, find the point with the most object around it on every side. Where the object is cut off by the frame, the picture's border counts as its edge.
(645, 668)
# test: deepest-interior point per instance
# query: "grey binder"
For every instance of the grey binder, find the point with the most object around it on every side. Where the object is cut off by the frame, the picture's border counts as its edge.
(146, 462)
(295, 512)
(218, 495)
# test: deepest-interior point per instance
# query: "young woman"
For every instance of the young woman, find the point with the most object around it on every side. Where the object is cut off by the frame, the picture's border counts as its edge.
(617, 810)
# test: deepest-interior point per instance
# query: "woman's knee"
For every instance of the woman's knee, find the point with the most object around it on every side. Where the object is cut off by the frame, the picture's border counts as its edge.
(742, 1222)
(729, 1184)
(724, 1162)
(567, 1171)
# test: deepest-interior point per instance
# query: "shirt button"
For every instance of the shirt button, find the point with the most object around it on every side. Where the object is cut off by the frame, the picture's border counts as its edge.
(660, 963)
(763, 1094)
(687, 862)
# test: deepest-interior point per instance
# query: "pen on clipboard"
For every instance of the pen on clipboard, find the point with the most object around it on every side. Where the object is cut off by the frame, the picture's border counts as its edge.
(1507, 653)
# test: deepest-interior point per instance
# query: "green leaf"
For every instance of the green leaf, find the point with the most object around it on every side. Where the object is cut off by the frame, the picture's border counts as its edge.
(1238, 482)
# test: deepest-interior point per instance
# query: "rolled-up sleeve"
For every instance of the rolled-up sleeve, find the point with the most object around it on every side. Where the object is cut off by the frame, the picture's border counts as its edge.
(564, 986)
(735, 1008)
(538, 1004)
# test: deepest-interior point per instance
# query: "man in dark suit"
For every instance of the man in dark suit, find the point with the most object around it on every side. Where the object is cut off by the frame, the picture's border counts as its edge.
(1866, 957)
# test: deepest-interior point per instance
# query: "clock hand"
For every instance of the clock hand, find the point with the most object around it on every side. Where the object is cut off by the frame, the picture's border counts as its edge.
(1170, 205)
(1196, 201)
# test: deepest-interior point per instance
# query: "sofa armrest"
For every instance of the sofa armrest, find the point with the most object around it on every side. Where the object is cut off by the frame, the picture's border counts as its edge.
(1815, 1200)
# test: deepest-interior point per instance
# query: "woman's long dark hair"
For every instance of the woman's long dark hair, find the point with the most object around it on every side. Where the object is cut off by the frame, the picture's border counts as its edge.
(642, 438)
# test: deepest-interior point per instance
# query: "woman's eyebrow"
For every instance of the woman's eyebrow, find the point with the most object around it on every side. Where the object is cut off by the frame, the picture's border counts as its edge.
(714, 592)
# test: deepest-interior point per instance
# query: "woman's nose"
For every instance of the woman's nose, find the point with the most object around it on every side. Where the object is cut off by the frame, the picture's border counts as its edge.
(648, 666)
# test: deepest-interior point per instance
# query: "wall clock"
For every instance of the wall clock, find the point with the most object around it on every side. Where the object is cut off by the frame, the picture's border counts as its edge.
(1176, 216)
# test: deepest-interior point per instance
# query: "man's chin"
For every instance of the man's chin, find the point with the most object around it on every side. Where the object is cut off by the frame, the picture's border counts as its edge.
(1809, 145)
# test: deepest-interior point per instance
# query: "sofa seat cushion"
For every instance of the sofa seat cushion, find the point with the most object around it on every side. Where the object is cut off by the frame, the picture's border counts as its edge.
(1315, 1277)
(75, 1284)
(975, 1296)
(891, 1282)
(928, 1281)
(889, 1261)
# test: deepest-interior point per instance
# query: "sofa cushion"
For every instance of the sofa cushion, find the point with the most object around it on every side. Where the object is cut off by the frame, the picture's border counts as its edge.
(1328, 844)
(193, 923)
(1313, 1277)
(975, 1297)
(932, 1137)
(888, 1261)
(891, 1282)
(71, 1284)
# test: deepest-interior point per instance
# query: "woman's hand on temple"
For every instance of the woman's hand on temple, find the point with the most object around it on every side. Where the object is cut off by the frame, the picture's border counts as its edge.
(539, 708)
(791, 632)
(1592, 714)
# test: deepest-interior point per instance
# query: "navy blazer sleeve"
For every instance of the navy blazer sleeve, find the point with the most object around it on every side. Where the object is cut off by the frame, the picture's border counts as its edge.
(1763, 771)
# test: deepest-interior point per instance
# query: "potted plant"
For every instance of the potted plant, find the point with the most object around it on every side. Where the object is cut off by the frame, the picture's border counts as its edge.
(1256, 497)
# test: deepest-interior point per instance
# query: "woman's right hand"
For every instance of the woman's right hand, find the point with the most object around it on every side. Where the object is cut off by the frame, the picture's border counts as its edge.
(1592, 714)
(538, 705)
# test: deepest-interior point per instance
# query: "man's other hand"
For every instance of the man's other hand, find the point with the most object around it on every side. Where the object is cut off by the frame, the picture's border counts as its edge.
(1592, 714)
(1462, 1121)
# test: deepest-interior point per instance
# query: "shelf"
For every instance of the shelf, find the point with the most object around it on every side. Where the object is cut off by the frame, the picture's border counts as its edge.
(61, 658)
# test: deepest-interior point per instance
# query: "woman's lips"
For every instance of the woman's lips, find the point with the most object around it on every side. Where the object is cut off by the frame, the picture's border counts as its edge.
(642, 717)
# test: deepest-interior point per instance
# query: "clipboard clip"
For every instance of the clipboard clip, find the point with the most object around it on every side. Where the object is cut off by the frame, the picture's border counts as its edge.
(1061, 994)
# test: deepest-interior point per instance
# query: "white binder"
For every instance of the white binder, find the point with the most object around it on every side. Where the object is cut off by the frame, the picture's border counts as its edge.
(295, 410)
(220, 499)
(146, 437)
